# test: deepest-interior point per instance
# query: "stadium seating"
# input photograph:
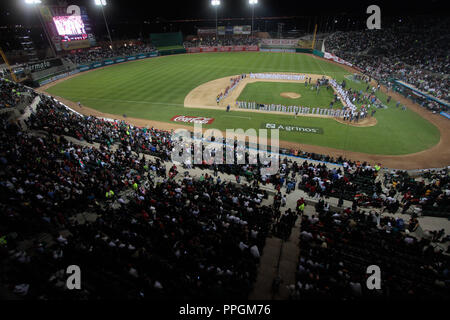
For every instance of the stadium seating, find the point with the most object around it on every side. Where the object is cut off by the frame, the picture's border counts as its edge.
(76, 187)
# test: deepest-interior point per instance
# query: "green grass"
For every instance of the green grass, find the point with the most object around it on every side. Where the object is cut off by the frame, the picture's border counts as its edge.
(155, 89)
(269, 93)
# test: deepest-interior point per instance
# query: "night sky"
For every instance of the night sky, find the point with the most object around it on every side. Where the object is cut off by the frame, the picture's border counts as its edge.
(133, 11)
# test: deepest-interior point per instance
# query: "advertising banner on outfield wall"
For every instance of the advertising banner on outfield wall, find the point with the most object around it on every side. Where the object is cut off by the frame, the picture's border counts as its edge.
(60, 76)
(280, 42)
(251, 48)
(191, 119)
(222, 49)
(237, 29)
(43, 65)
(292, 128)
(206, 32)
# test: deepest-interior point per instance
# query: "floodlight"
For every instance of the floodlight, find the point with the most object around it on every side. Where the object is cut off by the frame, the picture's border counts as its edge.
(33, 1)
(102, 3)
(253, 1)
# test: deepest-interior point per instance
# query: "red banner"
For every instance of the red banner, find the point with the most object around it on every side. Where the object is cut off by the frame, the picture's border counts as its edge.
(190, 119)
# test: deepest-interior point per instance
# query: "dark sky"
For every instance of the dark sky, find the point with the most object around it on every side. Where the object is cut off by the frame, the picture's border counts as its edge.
(15, 11)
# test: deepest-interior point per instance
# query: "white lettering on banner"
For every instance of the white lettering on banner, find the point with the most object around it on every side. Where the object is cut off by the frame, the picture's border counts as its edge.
(190, 119)
(374, 21)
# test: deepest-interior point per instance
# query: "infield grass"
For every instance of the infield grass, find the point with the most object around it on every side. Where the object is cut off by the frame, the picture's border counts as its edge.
(155, 89)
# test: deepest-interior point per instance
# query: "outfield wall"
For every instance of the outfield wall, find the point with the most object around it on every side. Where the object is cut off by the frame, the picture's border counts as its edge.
(222, 49)
(108, 62)
(277, 50)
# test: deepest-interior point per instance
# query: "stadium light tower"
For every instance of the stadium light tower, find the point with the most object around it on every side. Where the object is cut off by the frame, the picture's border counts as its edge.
(253, 3)
(35, 4)
(102, 3)
(216, 4)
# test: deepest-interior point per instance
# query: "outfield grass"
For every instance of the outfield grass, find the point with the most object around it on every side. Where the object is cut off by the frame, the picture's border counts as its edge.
(155, 89)
(269, 93)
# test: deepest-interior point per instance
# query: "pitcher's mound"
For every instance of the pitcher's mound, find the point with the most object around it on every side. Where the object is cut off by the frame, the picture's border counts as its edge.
(290, 95)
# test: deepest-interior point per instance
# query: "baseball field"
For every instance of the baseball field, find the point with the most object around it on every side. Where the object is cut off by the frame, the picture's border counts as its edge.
(155, 89)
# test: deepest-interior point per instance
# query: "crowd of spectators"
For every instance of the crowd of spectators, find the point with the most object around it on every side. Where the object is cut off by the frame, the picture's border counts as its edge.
(96, 54)
(221, 41)
(416, 54)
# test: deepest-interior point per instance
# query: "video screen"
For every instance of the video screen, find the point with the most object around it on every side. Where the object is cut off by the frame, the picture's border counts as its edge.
(69, 25)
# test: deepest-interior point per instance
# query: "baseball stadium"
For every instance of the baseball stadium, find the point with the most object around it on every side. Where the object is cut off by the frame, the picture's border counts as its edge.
(94, 206)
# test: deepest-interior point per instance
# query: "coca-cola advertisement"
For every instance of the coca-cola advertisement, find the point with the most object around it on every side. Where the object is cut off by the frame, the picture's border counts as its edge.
(191, 119)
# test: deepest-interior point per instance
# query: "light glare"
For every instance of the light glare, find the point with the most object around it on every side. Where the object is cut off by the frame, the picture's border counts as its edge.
(253, 1)
(215, 2)
(100, 2)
